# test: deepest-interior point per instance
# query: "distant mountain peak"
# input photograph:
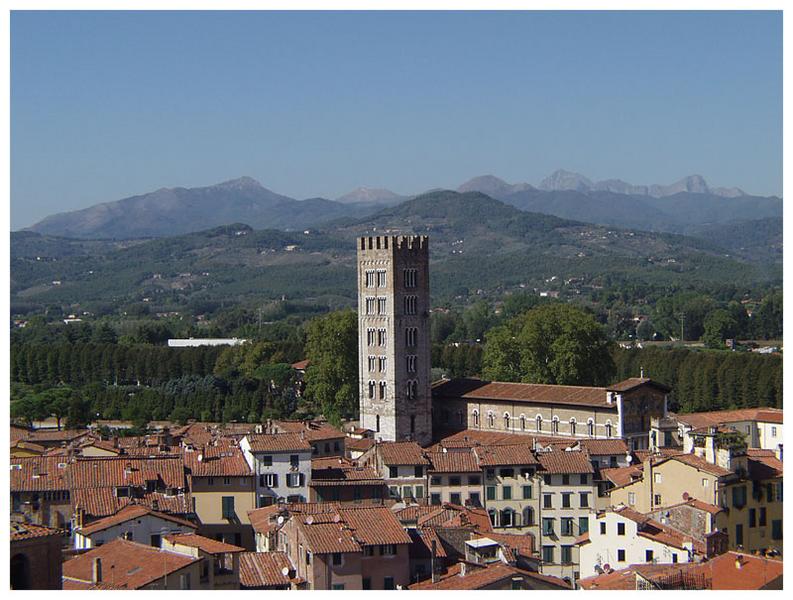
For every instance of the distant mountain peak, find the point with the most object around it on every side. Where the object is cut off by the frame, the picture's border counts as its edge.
(368, 194)
(240, 183)
(561, 180)
(492, 186)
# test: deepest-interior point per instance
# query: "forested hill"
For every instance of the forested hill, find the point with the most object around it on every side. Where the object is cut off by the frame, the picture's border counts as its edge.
(477, 243)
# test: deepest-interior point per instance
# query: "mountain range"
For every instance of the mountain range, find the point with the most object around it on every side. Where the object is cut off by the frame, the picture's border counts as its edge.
(479, 245)
(686, 206)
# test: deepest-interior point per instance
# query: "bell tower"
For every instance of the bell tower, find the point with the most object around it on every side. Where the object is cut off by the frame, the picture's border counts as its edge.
(393, 337)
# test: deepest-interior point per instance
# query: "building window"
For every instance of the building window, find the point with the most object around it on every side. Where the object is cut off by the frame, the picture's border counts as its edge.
(590, 428)
(372, 362)
(773, 432)
(370, 279)
(506, 492)
(620, 555)
(739, 534)
(602, 528)
(776, 529)
(506, 421)
(382, 391)
(388, 583)
(411, 336)
(460, 417)
(567, 525)
(567, 555)
(388, 550)
(337, 586)
(372, 386)
(674, 557)
(620, 528)
(337, 559)
(184, 581)
(435, 499)
(507, 517)
(228, 507)
(377, 423)
(419, 492)
(474, 500)
(608, 430)
(566, 499)
(547, 554)
(555, 426)
(528, 516)
(583, 524)
(382, 363)
(411, 363)
(547, 500)
(657, 477)
(382, 337)
(523, 422)
(566, 479)
(474, 480)
(572, 426)
(455, 498)
(583, 499)
(584, 478)
(657, 499)
(739, 496)
(370, 305)
(475, 417)
(761, 520)
(410, 305)
(381, 278)
(547, 526)
(491, 420)
(632, 498)
(527, 492)
(752, 517)
(539, 423)
(370, 333)
(381, 306)
(410, 278)
(490, 492)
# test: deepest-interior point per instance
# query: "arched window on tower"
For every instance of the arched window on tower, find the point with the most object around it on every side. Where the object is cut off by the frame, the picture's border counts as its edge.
(590, 428)
(371, 390)
(475, 417)
(506, 421)
(523, 422)
(608, 429)
(382, 390)
(572, 426)
(555, 426)
(539, 423)
(491, 419)
(377, 423)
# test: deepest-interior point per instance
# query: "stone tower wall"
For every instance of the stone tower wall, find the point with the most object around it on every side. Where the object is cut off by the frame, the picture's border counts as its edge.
(401, 414)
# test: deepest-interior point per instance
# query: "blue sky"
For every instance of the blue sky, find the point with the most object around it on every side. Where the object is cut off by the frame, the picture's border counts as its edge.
(111, 104)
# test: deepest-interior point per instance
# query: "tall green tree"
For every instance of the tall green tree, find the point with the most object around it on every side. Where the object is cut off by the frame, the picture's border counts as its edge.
(553, 343)
(332, 376)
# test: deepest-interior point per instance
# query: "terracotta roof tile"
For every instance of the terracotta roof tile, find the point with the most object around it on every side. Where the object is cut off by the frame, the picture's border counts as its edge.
(264, 570)
(221, 460)
(634, 382)
(263, 519)
(130, 513)
(721, 417)
(326, 538)
(754, 573)
(533, 393)
(333, 471)
(205, 544)
(362, 445)
(278, 442)
(478, 577)
(700, 463)
(620, 476)
(31, 446)
(452, 515)
(563, 461)
(402, 453)
(597, 447)
(505, 455)
(453, 462)
(422, 538)
(27, 531)
(40, 474)
(314, 432)
(112, 471)
(54, 435)
(373, 526)
(102, 502)
(132, 565)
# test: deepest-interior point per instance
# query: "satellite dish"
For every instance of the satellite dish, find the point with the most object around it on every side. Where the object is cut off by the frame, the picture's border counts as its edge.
(309, 520)
(629, 459)
(607, 567)
(285, 571)
(685, 496)
(280, 520)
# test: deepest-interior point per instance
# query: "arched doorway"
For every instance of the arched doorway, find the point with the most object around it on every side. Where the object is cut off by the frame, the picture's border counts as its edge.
(20, 572)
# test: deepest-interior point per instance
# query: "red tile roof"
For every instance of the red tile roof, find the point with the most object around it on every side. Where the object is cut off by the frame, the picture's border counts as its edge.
(699, 463)
(324, 536)
(129, 564)
(301, 365)
(24, 445)
(112, 471)
(634, 382)
(563, 461)
(264, 570)
(513, 543)
(224, 459)
(262, 519)
(533, 393)
(362, 445)
(130, 513)
(334, 471)
(54, 435)
(457, 461)
(620, 476)
(373, 526)
(721, 417)
(205, 544)
(479, 576)
(313, 432)
(737, 571)
(102, 502)
(452, 515)
(27, 531)
(597, 447)
(421, 547)
(517, 455)
(278, 442)
(39, 474)
(402, 453)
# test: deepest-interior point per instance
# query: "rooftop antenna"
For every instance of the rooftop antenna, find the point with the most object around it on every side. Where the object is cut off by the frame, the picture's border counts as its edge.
(641, 372)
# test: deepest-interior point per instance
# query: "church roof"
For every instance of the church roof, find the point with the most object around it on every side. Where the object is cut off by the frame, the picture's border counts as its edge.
(532, 393)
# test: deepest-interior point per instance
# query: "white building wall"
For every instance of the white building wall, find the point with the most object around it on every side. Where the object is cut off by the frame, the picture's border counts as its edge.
(140, 529)
(602, 549)
(281, 467)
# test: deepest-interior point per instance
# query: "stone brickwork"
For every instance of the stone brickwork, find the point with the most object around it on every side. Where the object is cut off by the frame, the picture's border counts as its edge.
(394, 344)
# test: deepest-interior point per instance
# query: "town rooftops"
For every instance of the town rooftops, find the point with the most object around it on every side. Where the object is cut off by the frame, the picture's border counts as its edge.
(698, 463)
(278, 442)
(651, 529)
(131, 565)
(452, 515)
(39, 474)
(264, 570)
(721, 417)
(335, 471)
(517, 455)
(620, 476)
(121, 471)
(313, 431)
(762, 466)
(29, 446)
(402, 453)
(634, 382)
(130, 513)
(477, 577)
(54, 436)
(220, 459)
(28, 531)
(565, 461)
(532, 393)
(103, 502)
(453, 462)
(205, 544)
(373, 526)
(262, 518)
